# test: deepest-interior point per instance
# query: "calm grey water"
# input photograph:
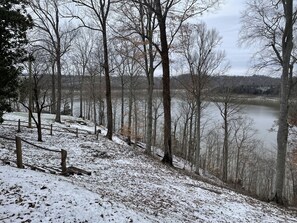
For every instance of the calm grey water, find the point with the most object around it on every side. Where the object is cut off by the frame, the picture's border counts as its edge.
(263, 117)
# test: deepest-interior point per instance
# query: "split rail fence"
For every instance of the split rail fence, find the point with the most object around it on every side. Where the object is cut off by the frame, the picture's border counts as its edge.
(19, 153)
(19, 124)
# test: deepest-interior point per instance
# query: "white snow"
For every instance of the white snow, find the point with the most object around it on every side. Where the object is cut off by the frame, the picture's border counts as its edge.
(125, 185)
(30, 196)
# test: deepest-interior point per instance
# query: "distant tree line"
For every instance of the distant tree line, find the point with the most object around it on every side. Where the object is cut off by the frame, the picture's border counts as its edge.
(249, 85)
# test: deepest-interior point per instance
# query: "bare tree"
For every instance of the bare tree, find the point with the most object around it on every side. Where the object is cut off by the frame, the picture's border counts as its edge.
(170, 16)
(132, 70)
(39, 88)
(84, 47)
(271, 24)
(120, 60)
(229, 108)
(139, 27)
(56, 35)
(97, 12)
(244, 141)
(198, 45)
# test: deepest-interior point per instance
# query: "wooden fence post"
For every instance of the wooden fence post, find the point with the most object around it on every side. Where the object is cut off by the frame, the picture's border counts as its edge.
(51, 131)
(19, 125)
(63, 159)
(76, 132)
(19, 152)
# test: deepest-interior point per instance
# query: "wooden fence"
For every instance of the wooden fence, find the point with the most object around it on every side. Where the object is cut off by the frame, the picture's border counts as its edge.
(19, 152)
(18, 141)
(50, 127)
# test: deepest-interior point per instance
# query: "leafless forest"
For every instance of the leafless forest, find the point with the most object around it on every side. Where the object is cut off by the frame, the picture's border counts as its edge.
(122, 64)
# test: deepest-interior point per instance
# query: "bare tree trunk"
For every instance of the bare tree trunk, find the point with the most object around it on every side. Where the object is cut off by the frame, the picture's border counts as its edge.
(95, 115)
(59, 86)
(149, 61)
(282, 133)
(39, 126)
(122, 102)
(54, 103)
(71, 101)
(149, 129)
(130, 113)
(30, 94)
(155, 128)
(225, 144)
(135, 122)
(237, 165)
(166, 101)
(166, 85)
(81, 95)
(107, 83)
(198, 135)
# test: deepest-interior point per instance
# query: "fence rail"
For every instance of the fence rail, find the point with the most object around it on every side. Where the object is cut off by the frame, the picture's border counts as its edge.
(4, 137)
(50, 127)
(19, 152)
(40, 147)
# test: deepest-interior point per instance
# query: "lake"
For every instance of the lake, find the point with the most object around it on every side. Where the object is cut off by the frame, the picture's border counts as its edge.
(264, 118)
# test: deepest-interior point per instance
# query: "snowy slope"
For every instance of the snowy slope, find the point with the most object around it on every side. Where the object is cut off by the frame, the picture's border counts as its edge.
(30, 196)
(125, 186)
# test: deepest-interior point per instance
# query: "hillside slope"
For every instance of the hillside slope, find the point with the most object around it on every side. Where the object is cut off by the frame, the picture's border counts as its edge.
(125, 185)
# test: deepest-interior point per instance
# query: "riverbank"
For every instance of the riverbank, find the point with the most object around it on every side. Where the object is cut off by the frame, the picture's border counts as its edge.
(269, 101)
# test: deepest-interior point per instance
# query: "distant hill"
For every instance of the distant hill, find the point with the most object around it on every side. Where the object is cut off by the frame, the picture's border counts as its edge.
(238, 84)
(255, 84)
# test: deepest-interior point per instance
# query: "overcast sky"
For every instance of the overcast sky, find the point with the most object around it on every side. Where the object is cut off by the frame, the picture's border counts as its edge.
(227, 21)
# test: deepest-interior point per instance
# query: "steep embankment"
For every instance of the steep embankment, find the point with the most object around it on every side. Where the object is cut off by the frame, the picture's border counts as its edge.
(125, 186)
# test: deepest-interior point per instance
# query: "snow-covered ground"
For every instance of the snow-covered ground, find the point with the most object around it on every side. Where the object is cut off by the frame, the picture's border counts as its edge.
(125, 185)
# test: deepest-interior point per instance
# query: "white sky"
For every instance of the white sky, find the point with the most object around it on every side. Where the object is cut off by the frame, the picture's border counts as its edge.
(227, 21)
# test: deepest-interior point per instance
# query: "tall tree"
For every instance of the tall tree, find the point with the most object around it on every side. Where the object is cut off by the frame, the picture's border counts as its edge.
(13, 37)
(271, 24)
(84, 47)
(39, 87)
(171, 14)
(56, 39)
(229, 108)
(98, 11)
(140, 28)
(198, 46)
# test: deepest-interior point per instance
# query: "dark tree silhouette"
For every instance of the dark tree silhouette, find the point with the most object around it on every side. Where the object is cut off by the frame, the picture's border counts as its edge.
(13, 26)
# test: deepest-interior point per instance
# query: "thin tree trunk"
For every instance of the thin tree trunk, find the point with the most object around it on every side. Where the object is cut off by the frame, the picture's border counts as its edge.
(54, 103)
(39, 126)
(149, 62)
(135, 123)
(81, 95)
(95, 113)
(198, 134)
(155, 129)
(122, 103)
(30, 94)
(225, 145)
(150, 90)
(59, 68)
(130, 113)
(107, 83)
